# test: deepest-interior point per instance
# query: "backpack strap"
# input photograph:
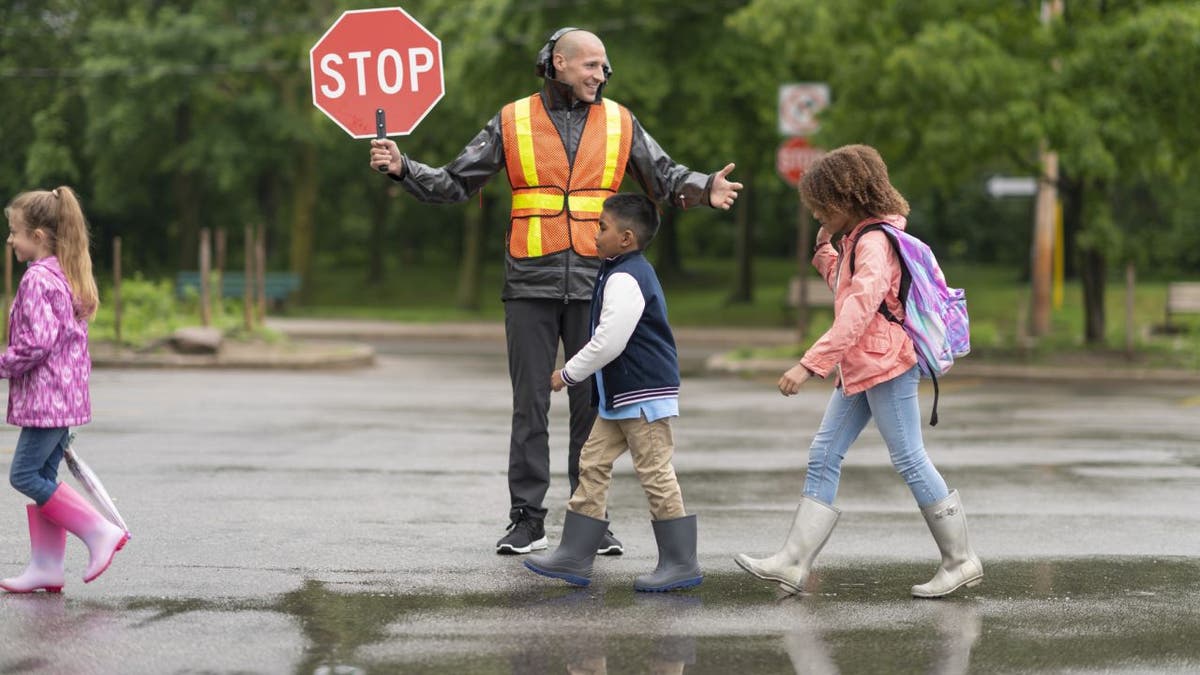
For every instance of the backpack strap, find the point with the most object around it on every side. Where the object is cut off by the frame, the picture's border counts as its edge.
(905, 276)
(905, 284)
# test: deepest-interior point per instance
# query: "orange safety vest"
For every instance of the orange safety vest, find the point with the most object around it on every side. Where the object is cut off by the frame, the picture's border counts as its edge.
(556, 206)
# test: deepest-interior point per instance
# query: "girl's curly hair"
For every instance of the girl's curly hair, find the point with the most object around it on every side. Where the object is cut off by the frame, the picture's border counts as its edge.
(852, 179)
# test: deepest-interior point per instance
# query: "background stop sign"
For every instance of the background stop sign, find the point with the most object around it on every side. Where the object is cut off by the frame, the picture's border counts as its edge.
(376, 58)
(794, 157)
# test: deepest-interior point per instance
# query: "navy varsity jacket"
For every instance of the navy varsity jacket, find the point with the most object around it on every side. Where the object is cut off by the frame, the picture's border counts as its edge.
(648, 367)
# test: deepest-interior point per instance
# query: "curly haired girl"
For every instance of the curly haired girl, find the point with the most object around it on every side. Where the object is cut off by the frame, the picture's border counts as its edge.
(875, 370)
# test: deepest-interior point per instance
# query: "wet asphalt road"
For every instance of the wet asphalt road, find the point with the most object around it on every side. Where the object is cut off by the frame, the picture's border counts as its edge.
(344, 522)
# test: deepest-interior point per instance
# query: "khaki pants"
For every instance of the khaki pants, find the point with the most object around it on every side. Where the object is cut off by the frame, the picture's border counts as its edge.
(650, 444)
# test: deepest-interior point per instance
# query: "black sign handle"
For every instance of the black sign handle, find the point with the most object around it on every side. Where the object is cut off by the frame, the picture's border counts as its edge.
(381, 131)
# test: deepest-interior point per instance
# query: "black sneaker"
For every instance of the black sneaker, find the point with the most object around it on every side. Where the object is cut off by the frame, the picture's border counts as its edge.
(609, 545)
(525, 535)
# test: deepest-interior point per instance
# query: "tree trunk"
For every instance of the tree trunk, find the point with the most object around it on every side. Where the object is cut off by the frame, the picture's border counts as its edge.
(1071, 193)
(668, 262)
(1092, 267)
(743, 283)
(304, 200)
(470, 276)
(187, 194)
(381, 199)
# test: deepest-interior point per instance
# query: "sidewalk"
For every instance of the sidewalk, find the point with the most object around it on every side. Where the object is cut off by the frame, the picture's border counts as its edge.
(722, 341)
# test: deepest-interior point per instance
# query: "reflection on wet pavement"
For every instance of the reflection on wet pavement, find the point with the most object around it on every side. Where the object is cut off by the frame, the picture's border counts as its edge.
(1054, 615)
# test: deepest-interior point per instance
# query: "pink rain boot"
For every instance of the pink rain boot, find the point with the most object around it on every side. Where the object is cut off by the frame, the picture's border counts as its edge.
(47, 545)
(81, 519)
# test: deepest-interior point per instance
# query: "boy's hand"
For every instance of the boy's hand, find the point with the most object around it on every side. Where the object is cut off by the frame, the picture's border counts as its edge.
(556, 381)
(791, 381)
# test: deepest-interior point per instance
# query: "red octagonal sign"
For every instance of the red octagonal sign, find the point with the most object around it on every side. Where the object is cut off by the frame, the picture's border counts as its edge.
(376, 58)
(794, 157)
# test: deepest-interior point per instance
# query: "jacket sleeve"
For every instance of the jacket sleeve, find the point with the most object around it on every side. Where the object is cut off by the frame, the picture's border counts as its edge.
(661, 178)
(826, 258)
(619, 315)
(865, 291)
(35, 329)
(455, 182)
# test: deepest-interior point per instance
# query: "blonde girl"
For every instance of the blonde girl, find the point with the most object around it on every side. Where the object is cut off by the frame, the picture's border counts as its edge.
(48, 366)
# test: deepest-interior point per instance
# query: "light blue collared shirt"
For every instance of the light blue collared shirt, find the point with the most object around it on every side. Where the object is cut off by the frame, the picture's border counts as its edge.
(653, 410)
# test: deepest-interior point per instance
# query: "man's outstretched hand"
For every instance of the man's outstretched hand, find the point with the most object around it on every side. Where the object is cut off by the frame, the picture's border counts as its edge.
(724, 192)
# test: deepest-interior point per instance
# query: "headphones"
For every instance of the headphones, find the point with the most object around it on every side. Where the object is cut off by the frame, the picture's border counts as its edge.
(545, 57)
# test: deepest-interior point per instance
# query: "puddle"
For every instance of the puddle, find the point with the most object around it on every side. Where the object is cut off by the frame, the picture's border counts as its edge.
(1085, 614)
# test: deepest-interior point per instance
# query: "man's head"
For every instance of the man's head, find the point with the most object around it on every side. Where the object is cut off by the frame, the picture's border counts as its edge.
(579, 61)
(628, 222)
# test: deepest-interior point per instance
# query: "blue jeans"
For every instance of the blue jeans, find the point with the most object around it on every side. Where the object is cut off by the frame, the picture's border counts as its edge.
(34, 470)
(897, 414)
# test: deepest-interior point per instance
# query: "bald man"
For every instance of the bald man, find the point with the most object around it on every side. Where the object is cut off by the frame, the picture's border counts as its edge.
(564, 149)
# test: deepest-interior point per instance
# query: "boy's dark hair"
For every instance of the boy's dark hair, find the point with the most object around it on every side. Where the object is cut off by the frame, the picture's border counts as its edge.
(852, 179)
(635, 212)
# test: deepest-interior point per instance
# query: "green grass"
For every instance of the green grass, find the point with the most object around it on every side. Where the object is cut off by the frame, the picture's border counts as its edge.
(997, 298)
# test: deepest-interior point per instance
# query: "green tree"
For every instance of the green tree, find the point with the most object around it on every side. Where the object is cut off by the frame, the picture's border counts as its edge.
(956, 88)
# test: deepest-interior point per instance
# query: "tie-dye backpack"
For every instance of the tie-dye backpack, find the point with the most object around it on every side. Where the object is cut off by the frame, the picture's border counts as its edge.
(935, 315)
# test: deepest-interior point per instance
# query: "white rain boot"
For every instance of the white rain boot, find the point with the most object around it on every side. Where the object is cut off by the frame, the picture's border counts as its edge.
(960, 566)
(811, 528)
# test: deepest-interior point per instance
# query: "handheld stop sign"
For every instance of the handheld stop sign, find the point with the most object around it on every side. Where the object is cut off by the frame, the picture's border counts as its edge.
(379, 60)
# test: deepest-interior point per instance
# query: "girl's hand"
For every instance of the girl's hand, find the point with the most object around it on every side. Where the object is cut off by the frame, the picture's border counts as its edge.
(790, 383)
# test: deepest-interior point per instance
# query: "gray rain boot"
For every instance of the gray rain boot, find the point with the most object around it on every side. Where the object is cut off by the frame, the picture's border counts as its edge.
(677, 564)
(811, 528)
(960, 566)
(572, 560)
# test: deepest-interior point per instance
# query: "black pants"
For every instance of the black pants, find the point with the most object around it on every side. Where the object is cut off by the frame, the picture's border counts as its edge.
(534, 329)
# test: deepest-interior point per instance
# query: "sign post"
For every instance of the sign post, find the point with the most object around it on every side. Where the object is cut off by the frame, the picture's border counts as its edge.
(799, 103)
(376, 59)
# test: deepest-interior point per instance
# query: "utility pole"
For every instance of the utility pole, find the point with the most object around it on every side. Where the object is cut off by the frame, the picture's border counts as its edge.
(1046, 212)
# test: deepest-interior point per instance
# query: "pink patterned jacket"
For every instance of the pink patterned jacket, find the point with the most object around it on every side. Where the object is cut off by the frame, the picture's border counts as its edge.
(862, 345)
(47, 359)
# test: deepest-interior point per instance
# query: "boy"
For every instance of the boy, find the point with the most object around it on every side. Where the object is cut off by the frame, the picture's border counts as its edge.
(632, 354)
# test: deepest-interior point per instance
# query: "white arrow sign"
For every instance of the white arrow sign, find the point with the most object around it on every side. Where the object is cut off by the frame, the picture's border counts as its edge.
(1012, 186)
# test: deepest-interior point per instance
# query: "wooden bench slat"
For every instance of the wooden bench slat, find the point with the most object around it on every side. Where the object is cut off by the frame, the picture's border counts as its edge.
(276, 285)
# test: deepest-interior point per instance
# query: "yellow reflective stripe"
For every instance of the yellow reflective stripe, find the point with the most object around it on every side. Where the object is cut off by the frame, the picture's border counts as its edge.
(612, 114)
(554, 203)
(533, 200)
(586, 204)
(533, 238)
(525, 141)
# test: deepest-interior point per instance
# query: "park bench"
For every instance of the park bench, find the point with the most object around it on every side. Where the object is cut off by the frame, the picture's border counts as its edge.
(1183, 297)
(278, 286)
(819, 294)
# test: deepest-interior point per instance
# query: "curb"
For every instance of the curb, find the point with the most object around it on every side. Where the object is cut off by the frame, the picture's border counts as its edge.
(716, 338)
(293, 356)
(723, 364)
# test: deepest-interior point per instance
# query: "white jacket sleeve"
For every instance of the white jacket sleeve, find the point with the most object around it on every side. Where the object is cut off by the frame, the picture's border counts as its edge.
(619, 316)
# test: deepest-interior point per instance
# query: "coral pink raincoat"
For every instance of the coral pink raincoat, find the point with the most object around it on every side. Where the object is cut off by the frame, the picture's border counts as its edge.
(868, 348)
(47, 359)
